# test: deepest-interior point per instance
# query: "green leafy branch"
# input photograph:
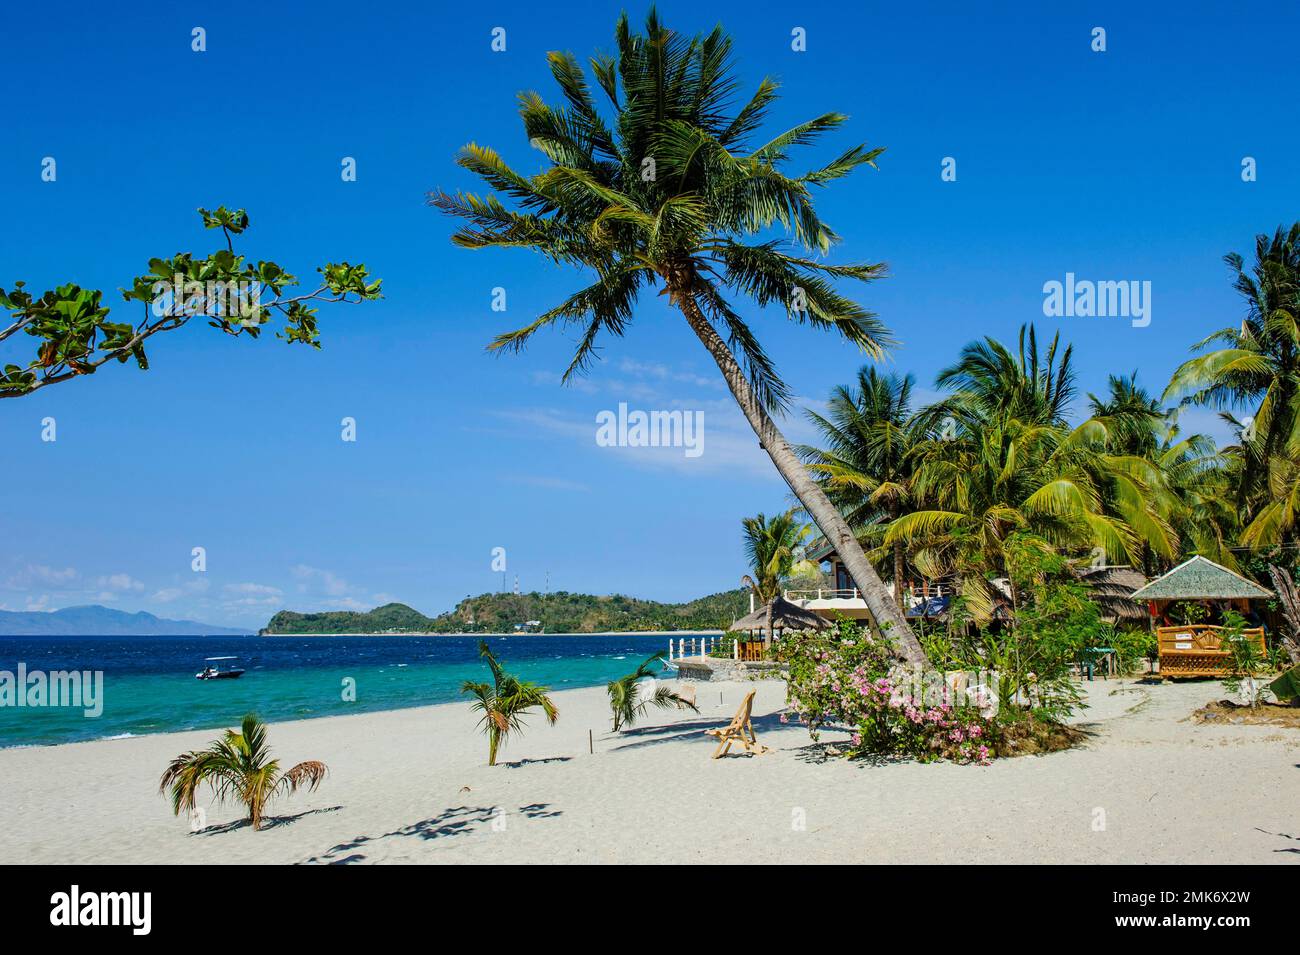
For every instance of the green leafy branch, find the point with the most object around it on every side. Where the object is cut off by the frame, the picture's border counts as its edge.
(76, 335)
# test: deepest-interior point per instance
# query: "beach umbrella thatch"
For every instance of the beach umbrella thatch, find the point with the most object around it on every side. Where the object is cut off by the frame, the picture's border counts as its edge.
(781, 614)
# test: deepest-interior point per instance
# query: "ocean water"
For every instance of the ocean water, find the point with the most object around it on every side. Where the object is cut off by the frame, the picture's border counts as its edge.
(149, 684)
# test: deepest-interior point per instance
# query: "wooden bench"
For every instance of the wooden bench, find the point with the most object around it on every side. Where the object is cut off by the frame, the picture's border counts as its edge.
(1194, 649)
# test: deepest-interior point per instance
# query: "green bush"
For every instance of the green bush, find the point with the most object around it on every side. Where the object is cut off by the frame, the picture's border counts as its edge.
(841, 677)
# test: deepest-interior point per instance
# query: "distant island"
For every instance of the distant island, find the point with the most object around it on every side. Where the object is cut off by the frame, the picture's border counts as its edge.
(96, 621)
(559, 612)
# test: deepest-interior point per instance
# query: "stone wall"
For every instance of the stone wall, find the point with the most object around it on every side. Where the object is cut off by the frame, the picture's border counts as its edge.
(719, 669)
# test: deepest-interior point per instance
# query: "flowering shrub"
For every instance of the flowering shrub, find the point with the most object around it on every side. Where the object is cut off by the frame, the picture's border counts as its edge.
(842, 677)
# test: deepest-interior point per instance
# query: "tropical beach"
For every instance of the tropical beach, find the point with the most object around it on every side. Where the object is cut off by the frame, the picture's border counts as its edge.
(540, 436)
(412, 786)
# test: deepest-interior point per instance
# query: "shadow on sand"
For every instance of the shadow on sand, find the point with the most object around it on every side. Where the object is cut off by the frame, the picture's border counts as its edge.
(456, 821)
(639, 737)
(268, 822)
(1283, 835)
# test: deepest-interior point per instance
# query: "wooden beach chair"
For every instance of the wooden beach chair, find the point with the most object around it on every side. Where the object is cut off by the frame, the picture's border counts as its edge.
(740, 730)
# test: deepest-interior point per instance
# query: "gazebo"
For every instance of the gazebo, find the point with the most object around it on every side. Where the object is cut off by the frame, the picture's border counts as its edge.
(1194, 649)
(771, 619)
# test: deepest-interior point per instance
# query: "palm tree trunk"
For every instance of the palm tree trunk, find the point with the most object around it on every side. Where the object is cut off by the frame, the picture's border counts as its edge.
(810, 495)
(899, 570)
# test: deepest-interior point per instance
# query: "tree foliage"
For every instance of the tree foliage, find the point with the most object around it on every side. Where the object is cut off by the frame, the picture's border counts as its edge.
(238, 297)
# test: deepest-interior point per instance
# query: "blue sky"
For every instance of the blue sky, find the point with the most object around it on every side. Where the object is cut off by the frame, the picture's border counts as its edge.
(1122, 165)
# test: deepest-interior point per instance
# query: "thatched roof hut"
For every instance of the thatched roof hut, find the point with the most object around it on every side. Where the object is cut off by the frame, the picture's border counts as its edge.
(1112, 589)
(779, 615)
(1201, 579)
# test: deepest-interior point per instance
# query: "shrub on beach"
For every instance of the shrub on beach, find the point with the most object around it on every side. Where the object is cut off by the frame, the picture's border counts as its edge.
(842, 677)
(632, 695)
(238, 767)
(505, 701)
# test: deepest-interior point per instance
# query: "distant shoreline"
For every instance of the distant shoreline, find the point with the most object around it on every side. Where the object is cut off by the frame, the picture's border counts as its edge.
(594, 633)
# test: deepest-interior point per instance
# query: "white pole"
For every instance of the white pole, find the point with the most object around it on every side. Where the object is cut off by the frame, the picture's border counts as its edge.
(670, 649)
(735, 649)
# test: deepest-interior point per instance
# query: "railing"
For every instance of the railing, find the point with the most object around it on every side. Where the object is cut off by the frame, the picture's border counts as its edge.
(853, 594)
(916, 595)
(695, 647)
(1195, 649)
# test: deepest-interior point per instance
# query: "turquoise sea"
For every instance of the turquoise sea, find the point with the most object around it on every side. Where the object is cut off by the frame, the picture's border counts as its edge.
(149, 684)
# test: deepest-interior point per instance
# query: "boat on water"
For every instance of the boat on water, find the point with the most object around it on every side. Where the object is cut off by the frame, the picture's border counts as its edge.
(214, 671)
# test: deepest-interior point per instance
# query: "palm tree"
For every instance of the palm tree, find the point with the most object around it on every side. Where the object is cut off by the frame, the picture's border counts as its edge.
(771, 546)
(504, 701)
(1257, 369)
(672, 192)
(627, 702)
(867, 464)
(990, 379)
(238, 766)
(1005, 468)
(1185, 475)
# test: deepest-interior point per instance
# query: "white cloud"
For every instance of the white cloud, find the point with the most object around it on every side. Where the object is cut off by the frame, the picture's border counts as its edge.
(169, 594)
(729, 443)
(332, 584)
(118, 582)
(662, 372)
(40, 574)
(255, 589)
(347, 603)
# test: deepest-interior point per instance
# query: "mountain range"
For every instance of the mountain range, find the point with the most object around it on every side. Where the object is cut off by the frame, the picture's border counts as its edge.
(96, 621)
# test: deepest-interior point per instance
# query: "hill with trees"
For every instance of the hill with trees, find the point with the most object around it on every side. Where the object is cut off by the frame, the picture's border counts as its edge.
(559, 612)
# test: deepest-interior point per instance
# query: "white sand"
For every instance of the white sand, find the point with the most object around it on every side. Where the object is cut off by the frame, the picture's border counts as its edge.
(412, 786)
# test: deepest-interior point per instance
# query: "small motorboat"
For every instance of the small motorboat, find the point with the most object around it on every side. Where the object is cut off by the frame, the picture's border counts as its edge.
(214, 671)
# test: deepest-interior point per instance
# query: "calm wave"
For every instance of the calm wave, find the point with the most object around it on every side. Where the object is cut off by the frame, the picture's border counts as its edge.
(149, 684)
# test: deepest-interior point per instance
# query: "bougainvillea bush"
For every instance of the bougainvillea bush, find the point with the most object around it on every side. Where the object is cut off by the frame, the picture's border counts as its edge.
(841, 677)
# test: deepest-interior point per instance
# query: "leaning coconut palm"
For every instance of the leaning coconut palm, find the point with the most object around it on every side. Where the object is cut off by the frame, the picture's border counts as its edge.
(238, 767)
(771, 546)
(628, 700)
(672, 192)
(504, 701)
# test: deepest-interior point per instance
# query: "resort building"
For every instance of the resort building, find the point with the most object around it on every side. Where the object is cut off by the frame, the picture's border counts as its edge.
(924, 598)
(1112, 589)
